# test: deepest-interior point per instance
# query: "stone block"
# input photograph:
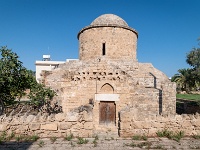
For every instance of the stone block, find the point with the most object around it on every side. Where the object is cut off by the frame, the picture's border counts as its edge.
(30, 118)
(179, 117)
(125, 125)
(88, 125)
(65, 125)
(23, 127)
(152, 131)
(126, 133)
(146, 125)
(49, 126)
(3, 127)
(34, 126)
(77, 126)
(87, 116)
(86, 133)
(158, 124)
(59, 117)
(196, 123)
(186, 123)
(136, 125)
(125, 116)
(72, 116)
(15, 120)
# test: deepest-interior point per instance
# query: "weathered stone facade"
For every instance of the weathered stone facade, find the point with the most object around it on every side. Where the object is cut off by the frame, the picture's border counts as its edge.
(109, 76)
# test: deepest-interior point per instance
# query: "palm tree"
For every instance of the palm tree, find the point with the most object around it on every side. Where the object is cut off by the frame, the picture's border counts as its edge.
(184, 79)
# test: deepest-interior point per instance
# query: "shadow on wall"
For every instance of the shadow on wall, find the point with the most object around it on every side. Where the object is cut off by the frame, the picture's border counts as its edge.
(160, 92)
(187, 106)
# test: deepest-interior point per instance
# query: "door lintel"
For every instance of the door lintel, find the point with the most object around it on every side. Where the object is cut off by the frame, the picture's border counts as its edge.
(107, 97)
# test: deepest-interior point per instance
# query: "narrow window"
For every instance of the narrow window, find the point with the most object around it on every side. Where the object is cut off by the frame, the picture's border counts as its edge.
(104, 49)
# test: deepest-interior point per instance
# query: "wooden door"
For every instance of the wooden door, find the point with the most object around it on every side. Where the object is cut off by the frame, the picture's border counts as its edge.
(107, 112)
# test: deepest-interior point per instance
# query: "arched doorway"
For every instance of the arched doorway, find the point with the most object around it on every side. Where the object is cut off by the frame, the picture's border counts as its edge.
(107, 109)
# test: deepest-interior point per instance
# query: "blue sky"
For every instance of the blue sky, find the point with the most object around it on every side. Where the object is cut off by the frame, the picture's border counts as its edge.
(168, 29)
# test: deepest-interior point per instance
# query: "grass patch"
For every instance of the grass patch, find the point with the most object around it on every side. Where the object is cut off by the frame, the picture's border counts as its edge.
(178, 135)
(82, 140)
(41, 143)
(10, 137)
(139, 137)
(4, 136)
(189, 96)
(53, 139)
(95, 143)
(196, 136)
(140, 145)
(164, 133)
(96, 137)
(69, 137)
(19, 138)
(95, 140)
(170, 134)
(34, 138)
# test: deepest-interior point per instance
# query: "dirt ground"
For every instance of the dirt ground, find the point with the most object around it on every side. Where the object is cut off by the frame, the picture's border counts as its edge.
(185, 143)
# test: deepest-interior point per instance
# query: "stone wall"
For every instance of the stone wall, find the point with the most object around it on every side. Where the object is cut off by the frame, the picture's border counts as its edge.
(131, 125)
(78, 82)
(79, 122)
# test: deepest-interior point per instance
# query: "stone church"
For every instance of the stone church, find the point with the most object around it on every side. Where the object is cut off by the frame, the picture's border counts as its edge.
(108, 79)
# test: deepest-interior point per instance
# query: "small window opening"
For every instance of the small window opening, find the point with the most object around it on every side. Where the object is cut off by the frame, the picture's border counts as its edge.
(104, 49)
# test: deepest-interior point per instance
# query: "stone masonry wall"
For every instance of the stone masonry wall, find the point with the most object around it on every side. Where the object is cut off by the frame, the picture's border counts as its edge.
(130, 125)
(81, 124)
(77, 82)
(58, 125)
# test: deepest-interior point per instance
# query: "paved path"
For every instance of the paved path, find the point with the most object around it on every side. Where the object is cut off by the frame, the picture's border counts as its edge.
(103, 144)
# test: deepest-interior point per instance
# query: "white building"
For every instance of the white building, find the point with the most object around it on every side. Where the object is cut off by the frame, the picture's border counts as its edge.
(47, 65)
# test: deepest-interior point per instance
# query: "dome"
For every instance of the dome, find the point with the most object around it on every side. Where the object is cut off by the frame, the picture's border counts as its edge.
(109, 19)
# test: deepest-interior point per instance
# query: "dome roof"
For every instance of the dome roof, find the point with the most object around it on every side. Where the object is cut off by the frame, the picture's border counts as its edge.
(109, 19)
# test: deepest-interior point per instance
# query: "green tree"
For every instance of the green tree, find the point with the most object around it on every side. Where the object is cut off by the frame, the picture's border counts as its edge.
(193, 59)
(184, 79)
(40, 95)
(15, 79)
(189, 79)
